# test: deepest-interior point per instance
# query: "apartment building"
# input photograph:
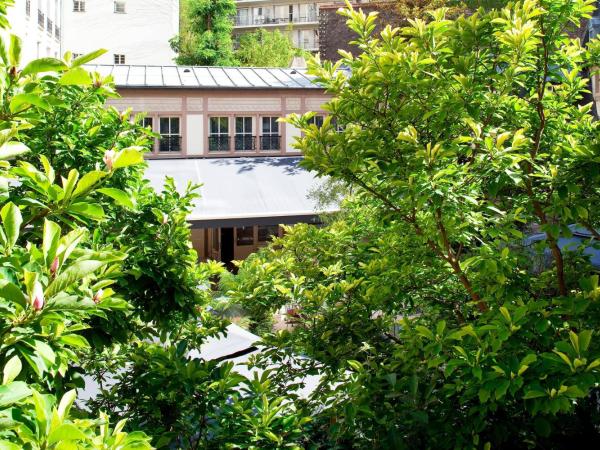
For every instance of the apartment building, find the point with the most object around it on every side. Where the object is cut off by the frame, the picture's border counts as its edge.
(133, 31)
(300, 20)
(220, 127)
(39, 25)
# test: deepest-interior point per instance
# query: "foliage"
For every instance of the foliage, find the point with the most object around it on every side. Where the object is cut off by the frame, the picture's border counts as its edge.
(263, 48)
(421, 306)
(206, 34)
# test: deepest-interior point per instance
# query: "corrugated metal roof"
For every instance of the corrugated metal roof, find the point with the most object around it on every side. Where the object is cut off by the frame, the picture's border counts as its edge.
(241, 188)
(206, 77)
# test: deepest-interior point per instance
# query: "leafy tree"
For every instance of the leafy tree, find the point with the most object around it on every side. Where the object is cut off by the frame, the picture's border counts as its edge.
(206, 34)
(422, 305)
(263, 48)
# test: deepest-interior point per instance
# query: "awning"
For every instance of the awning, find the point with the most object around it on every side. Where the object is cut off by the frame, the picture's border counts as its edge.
(243, 191)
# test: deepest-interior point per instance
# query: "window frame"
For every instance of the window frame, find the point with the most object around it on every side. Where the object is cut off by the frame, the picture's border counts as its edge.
(158, 129)
(270, 136)
(79, 6)
(244, 135)
(120, 3)
(219, 134)
(117, 57)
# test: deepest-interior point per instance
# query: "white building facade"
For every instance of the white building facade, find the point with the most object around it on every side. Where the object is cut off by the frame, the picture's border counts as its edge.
(133, 31)
(299, 19)
(39, 25)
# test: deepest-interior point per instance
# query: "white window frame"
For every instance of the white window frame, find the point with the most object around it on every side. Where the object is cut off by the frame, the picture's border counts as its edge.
(170, 132)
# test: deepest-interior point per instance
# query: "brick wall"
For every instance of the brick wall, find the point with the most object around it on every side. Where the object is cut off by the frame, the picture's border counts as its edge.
(334, 33)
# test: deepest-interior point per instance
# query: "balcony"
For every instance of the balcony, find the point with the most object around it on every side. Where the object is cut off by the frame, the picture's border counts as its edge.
(265, 20)
(244, 143)
(41, 19)
(218, 143)
(169, 144)
(270, 143)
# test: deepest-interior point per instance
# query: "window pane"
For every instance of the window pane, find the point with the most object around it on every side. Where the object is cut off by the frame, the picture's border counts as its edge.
(174, 125)
(274, 125)
(239, 124)
(147, 122)
(266, 128)
(164, 125)
(224, 125)
(214, 125)
(245, 235)
(266, 232)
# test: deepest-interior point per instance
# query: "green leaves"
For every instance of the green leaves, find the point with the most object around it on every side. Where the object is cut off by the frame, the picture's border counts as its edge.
(120, 197)
(43, 65)
(11, 149)
(76, 76)
(11, 224)
(11, 370)
(13, 392)
(84, 59)
(76, 272)
(129, 157)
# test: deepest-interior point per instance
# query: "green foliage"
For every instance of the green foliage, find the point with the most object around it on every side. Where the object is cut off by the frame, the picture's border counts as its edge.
(433, 321)
(263, 48)
(206, 33)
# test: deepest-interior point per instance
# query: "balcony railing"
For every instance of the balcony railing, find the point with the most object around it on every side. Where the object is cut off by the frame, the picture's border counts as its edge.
(41, 19)
(244, 143)
(218, 144)
(270, 143)
(169, 144)
(49, 26)
(265, 20)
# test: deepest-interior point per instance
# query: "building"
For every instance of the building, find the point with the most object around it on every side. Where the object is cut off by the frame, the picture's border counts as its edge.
(39, 25)
(300, 20)
(133, 31)
(220, 127)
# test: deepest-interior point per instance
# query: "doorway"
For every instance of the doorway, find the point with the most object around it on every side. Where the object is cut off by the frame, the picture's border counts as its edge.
(227, 246)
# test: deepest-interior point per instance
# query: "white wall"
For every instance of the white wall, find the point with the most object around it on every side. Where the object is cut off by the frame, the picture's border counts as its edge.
(37, 42)
(142, 34)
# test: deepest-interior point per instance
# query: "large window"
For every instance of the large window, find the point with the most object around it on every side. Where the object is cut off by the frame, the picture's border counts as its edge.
(147, 122)
(28, 7)
(120, 6)
(218, 139)
(270, 139)
(316, 120)
(267, 232)
(170, 136)
(244, 140)
(79, 6)
(245, 235)
(119, 58)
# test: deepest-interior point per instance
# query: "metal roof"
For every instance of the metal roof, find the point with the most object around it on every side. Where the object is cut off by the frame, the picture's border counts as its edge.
(126, 76)
(240, 191)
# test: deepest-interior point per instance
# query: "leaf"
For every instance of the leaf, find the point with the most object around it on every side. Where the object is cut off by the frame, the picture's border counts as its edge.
(50, 241)
(20, 100)
(74, 340)
(534, 394)
(91, 210)
(13, 392)
(84, 59)
(13, 293)
(66, 432)
(129, 157)
(77, 76)
(12, 369)
(76, 272)
(14, 52)
(12, 220)
(119, 196)
(45, 351)
(88, 181)
(44, 65)
(65, 403)
(11, 149)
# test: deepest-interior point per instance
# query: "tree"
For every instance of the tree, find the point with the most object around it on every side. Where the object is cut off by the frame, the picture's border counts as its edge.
(206, 33)
(422, 305)
(263, 48)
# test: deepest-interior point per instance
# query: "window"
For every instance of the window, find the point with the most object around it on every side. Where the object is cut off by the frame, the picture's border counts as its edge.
(120, 7)
(270, 139)
(77, 55)
(41, 19)
(291, 13)
(147, 122)
(316, 120)
(245, 235)
(170, 137)
(28, 7)
(78, 6)
(119, 58)
(50, 26)
(266, 232)
(244, 141)
(218, 139)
